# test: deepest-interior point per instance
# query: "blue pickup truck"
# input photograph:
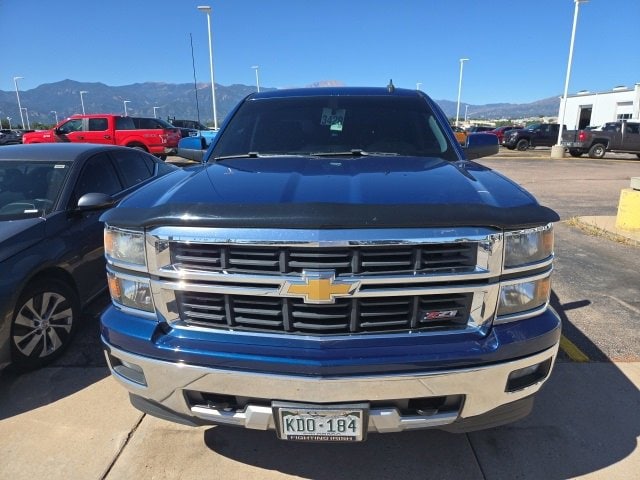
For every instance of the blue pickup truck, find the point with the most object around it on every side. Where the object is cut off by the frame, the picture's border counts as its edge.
(335, 266)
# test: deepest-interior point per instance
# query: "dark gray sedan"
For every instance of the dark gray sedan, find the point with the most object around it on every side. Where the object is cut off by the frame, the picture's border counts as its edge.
(51, 242)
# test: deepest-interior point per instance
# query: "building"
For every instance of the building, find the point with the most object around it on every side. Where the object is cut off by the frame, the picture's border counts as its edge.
(586, 108)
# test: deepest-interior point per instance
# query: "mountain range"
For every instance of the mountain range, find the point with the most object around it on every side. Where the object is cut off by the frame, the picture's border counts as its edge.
(188, 101)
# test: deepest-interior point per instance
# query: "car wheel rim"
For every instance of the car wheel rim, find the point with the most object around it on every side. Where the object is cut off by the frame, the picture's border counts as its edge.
(43, 325)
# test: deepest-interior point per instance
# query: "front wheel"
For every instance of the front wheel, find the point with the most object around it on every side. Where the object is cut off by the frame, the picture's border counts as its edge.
(44, 322)
(522, 145)
(597, 151)
(575, 153)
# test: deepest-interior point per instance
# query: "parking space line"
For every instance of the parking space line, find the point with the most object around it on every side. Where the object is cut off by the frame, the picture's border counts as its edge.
(573, 352)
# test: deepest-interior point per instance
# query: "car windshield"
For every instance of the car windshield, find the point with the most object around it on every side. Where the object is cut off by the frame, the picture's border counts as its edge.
(334, 125)
(29, 189)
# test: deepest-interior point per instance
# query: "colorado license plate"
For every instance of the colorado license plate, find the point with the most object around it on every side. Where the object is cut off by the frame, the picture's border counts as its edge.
(321, 423)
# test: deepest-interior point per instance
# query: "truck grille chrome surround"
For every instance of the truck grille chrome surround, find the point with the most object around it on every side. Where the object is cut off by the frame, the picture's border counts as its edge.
(402, 280)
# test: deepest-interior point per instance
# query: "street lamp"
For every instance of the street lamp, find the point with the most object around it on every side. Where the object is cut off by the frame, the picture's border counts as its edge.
(15, 82)
(557, 151)
(466, 111)
(155, 109)
(125, 106)
(26, 114)
(255, 67)
(207, 9)
(56, 115)
(9, 120)
(82, 92)
(418, 85)
(462, 60)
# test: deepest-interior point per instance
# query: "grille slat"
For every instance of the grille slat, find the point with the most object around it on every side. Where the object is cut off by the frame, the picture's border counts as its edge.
(368, 260)
(285, 315)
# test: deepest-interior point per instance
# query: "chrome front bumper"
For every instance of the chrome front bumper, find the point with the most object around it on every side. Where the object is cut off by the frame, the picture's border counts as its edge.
(165, 384)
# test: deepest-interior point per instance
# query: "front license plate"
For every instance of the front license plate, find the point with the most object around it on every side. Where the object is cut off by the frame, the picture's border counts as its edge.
(321, 423)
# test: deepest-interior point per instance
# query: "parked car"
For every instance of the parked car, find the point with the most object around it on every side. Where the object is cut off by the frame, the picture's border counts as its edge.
(155, 123)
(200, 130)
(51, 245)
(150, 134)
(535, 135)
(335, 266)
(622, 137)
(10, 137)
(500, 131)
(460, 133)
(479, 129)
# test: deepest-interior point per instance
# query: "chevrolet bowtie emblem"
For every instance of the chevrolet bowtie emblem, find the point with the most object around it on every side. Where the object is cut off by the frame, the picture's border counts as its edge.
(318, 287)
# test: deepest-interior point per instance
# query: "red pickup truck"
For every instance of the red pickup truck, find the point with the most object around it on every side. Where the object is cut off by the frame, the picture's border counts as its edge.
(149, 134)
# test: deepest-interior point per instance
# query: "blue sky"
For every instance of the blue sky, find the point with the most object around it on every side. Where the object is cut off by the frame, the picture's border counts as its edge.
(518, 49)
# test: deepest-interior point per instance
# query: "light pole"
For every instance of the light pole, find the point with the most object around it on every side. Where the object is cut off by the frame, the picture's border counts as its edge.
(557, 151)
(26, 114)
(56, 115)
(255, 67)
(82, 92)
(125, 106)
(9, 120)
(15, 82)
(155, 109)
(462, 60)
(418, 85)
(207, 9)
(466, 111)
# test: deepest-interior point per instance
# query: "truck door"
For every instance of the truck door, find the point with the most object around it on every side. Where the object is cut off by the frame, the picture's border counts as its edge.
(99, 131)
(631, 137)
(545, 136)
(70, 131)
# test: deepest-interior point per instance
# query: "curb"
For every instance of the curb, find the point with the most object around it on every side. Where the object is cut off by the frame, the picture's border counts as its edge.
(605, 225)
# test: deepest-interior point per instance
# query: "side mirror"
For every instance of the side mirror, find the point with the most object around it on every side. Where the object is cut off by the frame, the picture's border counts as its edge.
(192, 148)
(95, 201)
(480, 145)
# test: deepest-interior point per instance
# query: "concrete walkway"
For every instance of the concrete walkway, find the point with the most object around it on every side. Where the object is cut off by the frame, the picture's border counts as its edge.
(77, 423)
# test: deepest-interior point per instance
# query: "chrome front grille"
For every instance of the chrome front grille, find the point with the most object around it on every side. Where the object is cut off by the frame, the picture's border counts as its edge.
(388, 260)
(364, 315)
(325, 282)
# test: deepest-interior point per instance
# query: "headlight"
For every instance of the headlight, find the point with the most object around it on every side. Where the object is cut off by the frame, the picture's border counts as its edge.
(524, 296)
(129, 292)
(529, 246)
(124, 246)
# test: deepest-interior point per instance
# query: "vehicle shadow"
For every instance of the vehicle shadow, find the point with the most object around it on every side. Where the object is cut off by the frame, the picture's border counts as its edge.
(81, 365)
(584, 420)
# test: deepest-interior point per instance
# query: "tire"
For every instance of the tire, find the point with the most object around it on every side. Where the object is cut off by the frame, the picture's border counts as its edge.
(510, 147)
(43, 323)
(597, 151)
(522, 145)
(575, 153)
(638, 155)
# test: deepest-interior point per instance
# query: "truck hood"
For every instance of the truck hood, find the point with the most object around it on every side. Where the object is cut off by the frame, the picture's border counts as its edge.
(18, 235)
(333, 192)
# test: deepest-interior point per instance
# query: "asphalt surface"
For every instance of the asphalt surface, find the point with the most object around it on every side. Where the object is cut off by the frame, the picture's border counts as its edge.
(71, 420)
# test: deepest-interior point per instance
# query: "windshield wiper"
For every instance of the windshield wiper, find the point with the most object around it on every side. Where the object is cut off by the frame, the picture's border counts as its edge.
(355, 152)
(258, 155)
(239, 155)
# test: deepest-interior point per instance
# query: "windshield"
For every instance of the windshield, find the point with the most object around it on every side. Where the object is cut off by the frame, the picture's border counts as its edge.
(334, 125)
(29, 189)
